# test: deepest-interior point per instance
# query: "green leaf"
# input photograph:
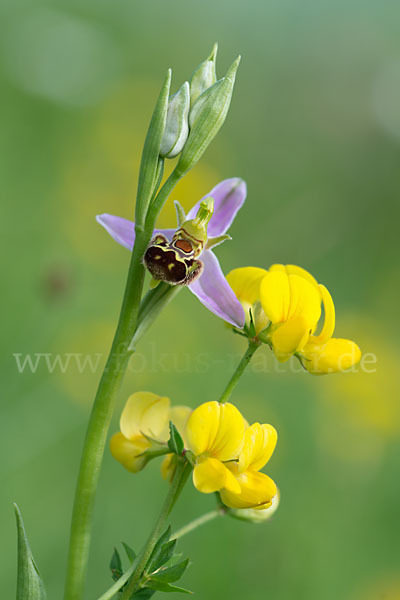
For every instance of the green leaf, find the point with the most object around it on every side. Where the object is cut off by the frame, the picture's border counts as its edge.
(150, 163)
(174, 559)
(171, 574)
(175, 442)
(154, 557)
(165, 554)
(143, 594)
(131, 554)
(160, 586)
(29, 583)
(116, 565)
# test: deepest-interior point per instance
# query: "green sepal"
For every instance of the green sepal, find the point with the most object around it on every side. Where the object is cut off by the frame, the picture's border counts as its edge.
(130, 553)
(160, 586)
(150, 163)
(175, 442)
(29, 583)
(171, 574)
(116, 565)
(252, 327)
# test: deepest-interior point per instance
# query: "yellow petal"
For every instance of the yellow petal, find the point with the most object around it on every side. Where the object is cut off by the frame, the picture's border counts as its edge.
(216, 430)
(290, 337)
(260, 513)
(230, 434)
(329, 320)
(211, 475)
(202, 427)
(259, 444)
(305, 300)
(256, 490)
(145, 413)
(127, 451)
(275, 296)
(337, 355)
(295, 270)
(245, 282)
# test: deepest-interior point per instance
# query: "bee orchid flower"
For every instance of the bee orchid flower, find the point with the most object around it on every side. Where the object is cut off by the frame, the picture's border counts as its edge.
(203, 276)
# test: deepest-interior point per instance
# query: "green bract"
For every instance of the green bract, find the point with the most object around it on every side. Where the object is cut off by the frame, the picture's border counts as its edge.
(29, 583)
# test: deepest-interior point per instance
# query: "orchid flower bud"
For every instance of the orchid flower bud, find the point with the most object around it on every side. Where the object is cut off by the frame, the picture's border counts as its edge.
(176, 128)
(206, 118)
(204, 76)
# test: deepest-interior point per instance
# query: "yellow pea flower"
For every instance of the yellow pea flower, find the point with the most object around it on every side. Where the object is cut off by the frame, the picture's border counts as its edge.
(257, 490)
(286, 304)
(144, 428)
(215, 436)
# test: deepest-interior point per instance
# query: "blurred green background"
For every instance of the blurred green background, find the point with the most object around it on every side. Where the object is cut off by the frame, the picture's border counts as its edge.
(314, 129)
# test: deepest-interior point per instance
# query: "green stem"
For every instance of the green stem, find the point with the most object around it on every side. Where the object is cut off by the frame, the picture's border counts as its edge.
(213, 514)
(182, 472)
(103, 406)
(252, 347)
(99, 423)
(159, 201)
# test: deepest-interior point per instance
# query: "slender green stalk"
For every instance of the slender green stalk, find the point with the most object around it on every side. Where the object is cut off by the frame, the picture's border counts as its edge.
(112, 591)
(210, 516)
(98, 426)
(180, 477)
(103, 408)
(159, 201)
(252, 347)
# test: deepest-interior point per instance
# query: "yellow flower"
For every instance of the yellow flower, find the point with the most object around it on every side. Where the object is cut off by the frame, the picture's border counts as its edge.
(257, 490)
(215, 435)
(229, 454)
(144, 428)
(286, 304)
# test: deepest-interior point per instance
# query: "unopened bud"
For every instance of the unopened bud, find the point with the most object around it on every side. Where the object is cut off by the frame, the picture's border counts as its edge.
(206, 118)
(204, 76)
(176, 128)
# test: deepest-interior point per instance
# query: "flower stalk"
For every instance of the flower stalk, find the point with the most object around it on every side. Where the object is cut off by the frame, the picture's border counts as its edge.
(180, 477)
(254, 344)
(202, 520)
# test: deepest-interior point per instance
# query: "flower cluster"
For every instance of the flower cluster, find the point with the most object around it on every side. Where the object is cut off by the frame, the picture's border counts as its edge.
(283, 304)
(227, 454)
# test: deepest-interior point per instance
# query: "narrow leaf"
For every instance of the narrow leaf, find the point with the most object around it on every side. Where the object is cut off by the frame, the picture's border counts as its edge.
(116, 565)
(29, 582)
(131, 554)
(160, 586)
(171, 574)
(175, 442)
(163, 539)
(165, 554)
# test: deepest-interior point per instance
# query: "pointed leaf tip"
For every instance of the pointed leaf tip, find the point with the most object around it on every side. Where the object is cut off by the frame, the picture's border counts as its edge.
(29, 583)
